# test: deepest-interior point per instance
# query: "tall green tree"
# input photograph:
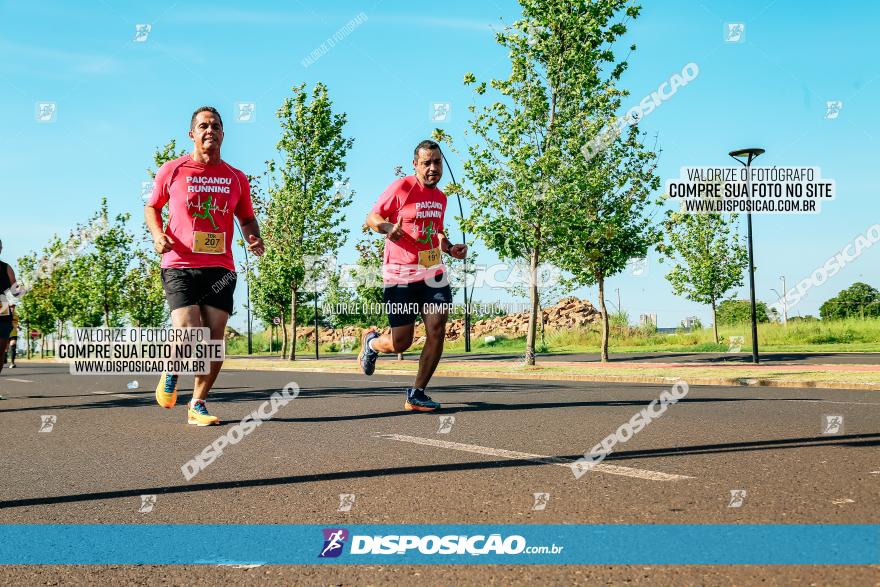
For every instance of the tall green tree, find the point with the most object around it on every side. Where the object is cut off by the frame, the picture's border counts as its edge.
(733, 312)
(305, 208)
(709, 258)
(53, 285)
(859, 300)
(144, 295)
(608, 217)
(34, 307)
(99, 274)
(162, 155)
(270, 298)
(604, 190)
(367, 278)
(270, 294)
(338, 298)
(60, 276)
(521, 169)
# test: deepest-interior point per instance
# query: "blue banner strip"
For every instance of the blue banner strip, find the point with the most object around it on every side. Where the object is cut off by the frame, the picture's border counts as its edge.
(770, 544)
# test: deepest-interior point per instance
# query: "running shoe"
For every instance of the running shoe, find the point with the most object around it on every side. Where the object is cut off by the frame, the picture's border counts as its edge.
(367, 357)
(166, 390)
(417, 401)
(199, 416)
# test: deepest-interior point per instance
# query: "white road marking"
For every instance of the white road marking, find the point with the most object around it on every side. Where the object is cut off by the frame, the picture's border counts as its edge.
(828, 401)
(122, 395)
(512, 454)
(17, 380)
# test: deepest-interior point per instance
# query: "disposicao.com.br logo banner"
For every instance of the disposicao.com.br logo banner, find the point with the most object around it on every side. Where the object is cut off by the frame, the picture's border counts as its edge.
(430, 544)
(284, 544)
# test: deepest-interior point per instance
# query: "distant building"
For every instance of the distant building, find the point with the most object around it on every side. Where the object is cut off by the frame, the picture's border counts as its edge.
(646, 319)
(690, 323)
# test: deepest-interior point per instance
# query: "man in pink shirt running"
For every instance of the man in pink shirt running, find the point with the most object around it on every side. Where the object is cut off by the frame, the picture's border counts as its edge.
(410, 213)
(203, 193)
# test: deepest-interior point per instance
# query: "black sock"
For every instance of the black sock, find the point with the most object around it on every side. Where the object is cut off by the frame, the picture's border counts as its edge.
(411, 391)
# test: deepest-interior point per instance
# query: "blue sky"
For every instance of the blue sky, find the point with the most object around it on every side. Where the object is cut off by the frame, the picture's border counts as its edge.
(118, 99)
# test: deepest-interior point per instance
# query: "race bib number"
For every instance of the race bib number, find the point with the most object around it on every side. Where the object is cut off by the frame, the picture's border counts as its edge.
(429, 258)
(213, 243)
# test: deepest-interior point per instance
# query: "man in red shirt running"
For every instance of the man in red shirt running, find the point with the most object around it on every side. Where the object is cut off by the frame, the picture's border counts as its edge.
(202, 192)
(410, 214)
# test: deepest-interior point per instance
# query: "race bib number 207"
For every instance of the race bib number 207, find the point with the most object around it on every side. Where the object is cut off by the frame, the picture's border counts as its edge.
(213, 243)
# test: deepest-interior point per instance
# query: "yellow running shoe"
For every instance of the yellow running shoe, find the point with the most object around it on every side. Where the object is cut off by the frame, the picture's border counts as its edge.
(166, 390)
(199, 416)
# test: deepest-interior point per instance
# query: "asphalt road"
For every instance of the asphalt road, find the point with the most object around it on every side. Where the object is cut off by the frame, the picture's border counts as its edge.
(348, 434)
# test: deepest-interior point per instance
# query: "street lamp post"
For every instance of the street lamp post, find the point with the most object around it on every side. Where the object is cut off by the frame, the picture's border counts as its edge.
(779, 297)
(751, 154)
(317, 355)
(784, 302)
(464, 291)
(250, 327)
(247, 271)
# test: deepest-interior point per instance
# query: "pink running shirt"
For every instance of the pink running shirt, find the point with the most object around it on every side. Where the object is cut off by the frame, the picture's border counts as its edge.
(202, 200)
(421, 210)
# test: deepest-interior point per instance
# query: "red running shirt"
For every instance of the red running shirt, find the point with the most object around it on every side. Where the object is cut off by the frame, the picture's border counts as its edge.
(421, 211)
(202, 200)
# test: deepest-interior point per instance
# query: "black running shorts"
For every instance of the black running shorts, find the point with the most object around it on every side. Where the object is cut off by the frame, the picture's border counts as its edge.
(205, 286)
(404, 302)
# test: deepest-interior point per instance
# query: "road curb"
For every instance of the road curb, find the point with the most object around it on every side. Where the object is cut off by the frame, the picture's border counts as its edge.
(717, 381)
(234, 364)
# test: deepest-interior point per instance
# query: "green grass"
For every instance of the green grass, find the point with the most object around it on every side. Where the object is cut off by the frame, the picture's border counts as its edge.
(260, 341)
(851, 334)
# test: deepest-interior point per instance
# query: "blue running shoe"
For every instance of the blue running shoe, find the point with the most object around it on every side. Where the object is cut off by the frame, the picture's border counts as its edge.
(417, 401)
(367, 357)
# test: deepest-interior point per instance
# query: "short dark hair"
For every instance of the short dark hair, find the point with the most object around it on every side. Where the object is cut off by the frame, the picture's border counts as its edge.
(426, 144)
(210, 109)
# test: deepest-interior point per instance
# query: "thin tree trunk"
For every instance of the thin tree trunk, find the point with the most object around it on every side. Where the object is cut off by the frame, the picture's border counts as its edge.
(283, 328)
(292, 356)
(715, 321)
(543, 325)
(603, 351)
(533, 313)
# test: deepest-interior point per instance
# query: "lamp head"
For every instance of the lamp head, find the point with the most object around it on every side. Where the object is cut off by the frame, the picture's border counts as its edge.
(750, 153)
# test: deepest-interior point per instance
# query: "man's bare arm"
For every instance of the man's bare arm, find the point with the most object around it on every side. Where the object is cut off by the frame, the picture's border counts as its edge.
(250, 228)
(161, 241)
(378, 224)
(457, 251)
